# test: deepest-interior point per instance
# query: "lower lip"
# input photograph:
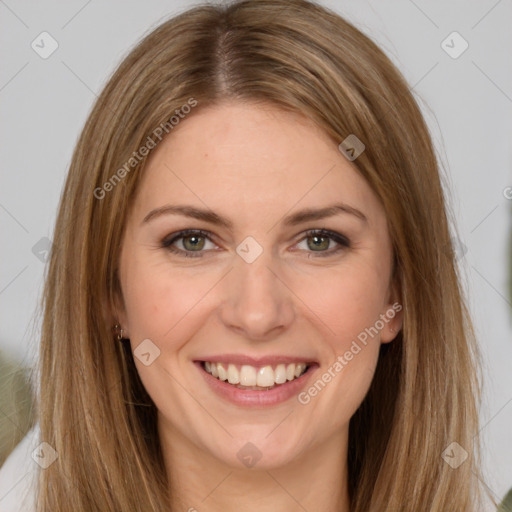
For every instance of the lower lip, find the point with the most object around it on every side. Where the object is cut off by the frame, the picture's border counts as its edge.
(253, 398)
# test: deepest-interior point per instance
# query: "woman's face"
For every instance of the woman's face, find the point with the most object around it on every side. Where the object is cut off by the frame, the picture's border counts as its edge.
(253, 290)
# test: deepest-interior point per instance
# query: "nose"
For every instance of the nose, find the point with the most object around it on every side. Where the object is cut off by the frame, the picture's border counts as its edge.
(258, 302)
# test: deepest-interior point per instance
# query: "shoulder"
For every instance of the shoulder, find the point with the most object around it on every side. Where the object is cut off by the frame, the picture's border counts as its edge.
(18, 476)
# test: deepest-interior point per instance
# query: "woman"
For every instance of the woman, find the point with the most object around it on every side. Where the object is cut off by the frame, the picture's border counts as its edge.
(253, 302)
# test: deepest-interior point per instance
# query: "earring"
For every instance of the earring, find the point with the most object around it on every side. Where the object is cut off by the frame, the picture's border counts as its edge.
(118, 333)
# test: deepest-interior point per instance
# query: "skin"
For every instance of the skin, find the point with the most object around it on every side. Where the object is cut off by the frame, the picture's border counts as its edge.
(254, 164)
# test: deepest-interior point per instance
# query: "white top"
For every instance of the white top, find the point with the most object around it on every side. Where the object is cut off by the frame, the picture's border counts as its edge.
(18, 474)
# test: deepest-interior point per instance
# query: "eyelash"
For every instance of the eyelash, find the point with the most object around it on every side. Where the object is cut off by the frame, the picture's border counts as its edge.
(167, 242)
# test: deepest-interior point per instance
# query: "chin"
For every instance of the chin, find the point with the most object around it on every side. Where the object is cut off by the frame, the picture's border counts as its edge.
(260, 452)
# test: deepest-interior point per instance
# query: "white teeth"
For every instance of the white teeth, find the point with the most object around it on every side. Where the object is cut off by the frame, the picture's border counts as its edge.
(265, 377)
(233, 376)
(299, 368)
(280, 374)
(223, 375)
(250, 376)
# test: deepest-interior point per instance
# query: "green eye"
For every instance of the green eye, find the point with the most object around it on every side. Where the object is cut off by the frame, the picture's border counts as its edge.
(193, 242)
(319, 242)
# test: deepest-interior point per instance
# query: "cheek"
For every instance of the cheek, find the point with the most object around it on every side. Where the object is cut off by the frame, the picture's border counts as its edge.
(349, 308)
(348, 302)
(164, 307)
(158, 301)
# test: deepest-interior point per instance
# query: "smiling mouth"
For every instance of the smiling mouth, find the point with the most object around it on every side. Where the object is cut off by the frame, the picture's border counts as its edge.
(256, 378)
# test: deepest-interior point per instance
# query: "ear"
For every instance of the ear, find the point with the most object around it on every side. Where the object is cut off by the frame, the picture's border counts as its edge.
(115, 313)
(392, 315)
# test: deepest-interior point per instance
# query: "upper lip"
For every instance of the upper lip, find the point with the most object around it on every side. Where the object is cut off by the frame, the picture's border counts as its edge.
(256, 361)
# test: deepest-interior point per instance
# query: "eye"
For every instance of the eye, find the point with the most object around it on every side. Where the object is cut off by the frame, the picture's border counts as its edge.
(319, 241)
(195, 240)
(192, 241)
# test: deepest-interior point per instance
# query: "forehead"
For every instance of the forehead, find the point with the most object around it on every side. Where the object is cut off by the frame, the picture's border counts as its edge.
(250, 159)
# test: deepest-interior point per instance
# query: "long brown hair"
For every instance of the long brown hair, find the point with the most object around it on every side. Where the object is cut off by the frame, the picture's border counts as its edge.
(296, 55)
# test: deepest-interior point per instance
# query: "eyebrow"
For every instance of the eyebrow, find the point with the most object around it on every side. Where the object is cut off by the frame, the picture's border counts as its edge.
(299, 217)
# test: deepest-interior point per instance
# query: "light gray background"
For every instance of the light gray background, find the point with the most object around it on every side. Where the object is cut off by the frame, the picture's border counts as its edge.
(467, 102)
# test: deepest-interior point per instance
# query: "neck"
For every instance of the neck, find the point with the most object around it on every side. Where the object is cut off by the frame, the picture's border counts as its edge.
(316, 480)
